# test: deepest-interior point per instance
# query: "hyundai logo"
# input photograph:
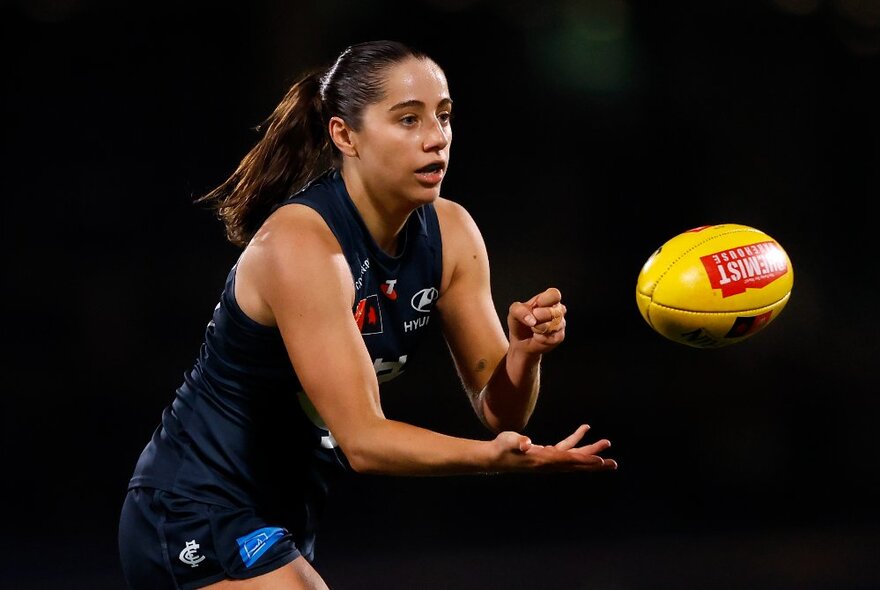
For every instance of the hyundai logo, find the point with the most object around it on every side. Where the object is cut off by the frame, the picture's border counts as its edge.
(422, 300)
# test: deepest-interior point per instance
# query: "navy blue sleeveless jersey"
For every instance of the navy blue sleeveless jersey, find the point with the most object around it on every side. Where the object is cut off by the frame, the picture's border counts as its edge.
(240, 431)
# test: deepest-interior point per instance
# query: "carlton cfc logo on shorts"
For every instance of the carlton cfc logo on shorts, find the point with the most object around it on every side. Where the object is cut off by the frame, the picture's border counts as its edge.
(252, 546)
(189, 555)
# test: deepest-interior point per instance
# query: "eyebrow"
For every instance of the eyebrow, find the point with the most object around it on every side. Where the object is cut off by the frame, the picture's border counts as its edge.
(417, 103)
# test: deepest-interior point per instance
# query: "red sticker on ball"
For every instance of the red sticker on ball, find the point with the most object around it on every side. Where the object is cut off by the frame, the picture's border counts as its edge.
(751, 266)
(744, 326)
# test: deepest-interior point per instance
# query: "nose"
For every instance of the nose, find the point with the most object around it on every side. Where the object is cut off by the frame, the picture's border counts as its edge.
(437, 136)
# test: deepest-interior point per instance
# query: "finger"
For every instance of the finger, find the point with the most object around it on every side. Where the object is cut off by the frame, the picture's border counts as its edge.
(593, 448)
(513, 442)
(550, 328)
(572, 439)
(607, 465)
(522, 313)
(595, 463)
(549, 319)
(548, 313)
(546, 298)
(553, 459)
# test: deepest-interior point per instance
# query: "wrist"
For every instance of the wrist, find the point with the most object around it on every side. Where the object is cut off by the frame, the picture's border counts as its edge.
(487, 457)
(520, 354)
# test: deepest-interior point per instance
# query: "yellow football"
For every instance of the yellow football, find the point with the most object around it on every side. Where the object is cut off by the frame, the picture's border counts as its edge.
(714, 285)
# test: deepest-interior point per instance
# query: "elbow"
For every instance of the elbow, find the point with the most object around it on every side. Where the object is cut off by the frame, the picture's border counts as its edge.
(361, 464)
(499, 426)
(361, 459)
(501, 415)
(363, 445)
(498, 422)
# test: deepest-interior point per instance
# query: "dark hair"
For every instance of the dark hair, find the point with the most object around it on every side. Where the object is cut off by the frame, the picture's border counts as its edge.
(295, 147)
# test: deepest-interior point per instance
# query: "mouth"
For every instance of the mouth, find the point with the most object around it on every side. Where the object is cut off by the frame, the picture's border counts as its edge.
(432, 167)
(431, 174)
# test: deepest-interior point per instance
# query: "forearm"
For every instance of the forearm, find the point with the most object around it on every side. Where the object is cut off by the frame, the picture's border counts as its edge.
(508, 399)
(391, 447)
(396, 448)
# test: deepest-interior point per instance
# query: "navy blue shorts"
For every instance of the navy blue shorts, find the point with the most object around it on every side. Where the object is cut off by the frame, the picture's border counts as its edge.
(169, 541)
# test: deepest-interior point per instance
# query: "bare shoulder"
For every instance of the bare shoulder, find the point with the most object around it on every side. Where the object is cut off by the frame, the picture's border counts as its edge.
(289, 229)
(457, 226)
(453, 216)
(293, 251)
(464, 250)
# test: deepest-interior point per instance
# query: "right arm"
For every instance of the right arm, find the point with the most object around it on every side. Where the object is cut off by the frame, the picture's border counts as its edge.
(294, 275)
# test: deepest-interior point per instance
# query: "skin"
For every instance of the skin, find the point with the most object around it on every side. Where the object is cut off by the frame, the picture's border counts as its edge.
(293, 275)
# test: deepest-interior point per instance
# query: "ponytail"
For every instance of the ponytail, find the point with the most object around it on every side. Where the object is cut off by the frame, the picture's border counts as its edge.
(294, 149)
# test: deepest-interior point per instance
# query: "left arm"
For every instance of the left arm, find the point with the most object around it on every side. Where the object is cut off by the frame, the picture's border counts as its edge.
(501, 376)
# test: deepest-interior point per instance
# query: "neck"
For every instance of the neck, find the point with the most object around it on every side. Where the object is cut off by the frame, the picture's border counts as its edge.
(384, 219)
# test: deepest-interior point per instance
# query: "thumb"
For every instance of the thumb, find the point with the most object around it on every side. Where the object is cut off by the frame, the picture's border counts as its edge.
(514, 441)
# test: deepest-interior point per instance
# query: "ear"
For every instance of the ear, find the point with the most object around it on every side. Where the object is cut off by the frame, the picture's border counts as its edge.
(342, 136)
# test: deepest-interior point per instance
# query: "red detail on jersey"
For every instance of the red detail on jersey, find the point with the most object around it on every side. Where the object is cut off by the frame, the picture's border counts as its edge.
(368, 316)
(359, 314)
(388, 288)
(751, 266)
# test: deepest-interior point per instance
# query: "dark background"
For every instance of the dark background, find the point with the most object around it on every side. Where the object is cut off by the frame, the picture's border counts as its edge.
(587, 133)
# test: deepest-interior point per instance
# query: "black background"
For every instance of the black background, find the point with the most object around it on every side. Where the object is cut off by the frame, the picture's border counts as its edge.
(587, 133)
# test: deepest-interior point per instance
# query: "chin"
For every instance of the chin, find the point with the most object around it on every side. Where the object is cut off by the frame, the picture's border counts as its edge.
(424, 195)
(430, 196)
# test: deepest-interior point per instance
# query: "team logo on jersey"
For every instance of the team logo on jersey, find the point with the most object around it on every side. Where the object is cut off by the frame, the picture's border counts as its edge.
(422, 300)
(388, 370)
(189, 555)
(368, 315)
(365, 266)
(388, 288)
(252, 546)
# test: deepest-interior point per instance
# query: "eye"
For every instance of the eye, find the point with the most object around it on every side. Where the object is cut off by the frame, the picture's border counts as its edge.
(445, 117)
(409, 120)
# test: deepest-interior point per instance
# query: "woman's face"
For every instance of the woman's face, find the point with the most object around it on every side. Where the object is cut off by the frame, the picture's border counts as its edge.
(403, 143)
